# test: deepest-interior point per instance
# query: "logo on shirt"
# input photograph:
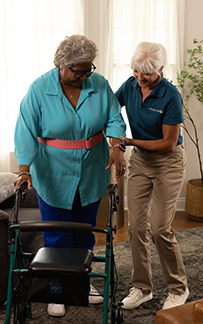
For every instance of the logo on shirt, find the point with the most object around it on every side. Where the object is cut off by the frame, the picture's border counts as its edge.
(159, 111)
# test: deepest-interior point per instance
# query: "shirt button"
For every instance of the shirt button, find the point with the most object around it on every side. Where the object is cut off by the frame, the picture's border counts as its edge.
(76, 115)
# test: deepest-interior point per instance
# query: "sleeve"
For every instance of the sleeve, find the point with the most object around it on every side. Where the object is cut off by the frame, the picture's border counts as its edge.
(115, 125)
(27, 129)
(174, 112)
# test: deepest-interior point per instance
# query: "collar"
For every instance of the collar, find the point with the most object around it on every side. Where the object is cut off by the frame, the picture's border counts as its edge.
(53, 83)
(158, 91)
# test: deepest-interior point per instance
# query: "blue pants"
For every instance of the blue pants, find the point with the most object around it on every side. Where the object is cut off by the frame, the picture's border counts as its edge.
(79, 214)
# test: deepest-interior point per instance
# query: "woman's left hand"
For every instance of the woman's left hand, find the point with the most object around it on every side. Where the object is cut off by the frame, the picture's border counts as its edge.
(117, 158)
(128, 141)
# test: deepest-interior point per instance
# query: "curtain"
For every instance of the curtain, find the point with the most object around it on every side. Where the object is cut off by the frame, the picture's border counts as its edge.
(134, 21)
(30, 31)
(147, 20)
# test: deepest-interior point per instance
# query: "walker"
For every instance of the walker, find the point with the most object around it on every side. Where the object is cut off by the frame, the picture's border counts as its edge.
(50, 274)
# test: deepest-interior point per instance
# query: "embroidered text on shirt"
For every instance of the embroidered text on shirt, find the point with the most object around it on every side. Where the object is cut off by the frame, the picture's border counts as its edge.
(159, 111)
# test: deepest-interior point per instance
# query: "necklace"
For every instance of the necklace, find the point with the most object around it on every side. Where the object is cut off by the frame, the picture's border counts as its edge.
(67, 94)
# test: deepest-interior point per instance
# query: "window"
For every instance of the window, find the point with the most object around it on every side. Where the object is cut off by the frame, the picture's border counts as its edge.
(30, 32)
(135, 21)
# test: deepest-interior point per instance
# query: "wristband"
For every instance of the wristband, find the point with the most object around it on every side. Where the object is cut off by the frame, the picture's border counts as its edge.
(27, 173)
(121, 147)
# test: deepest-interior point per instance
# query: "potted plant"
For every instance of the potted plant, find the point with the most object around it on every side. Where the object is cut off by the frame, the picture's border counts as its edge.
(190, 80)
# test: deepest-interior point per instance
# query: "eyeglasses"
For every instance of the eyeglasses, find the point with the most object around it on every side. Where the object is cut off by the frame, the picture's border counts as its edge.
(79, 74)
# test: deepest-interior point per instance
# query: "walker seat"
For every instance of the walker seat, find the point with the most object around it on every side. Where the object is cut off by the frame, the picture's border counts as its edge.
(60, 275)
(64, 260)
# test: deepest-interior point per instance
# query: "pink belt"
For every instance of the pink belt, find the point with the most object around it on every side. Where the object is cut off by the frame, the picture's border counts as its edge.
(63, 144)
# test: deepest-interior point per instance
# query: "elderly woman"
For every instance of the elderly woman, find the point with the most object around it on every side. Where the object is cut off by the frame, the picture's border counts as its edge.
(61, 148)
(156, 172)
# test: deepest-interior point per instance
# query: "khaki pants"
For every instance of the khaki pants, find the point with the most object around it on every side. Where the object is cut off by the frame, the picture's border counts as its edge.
(154, 184)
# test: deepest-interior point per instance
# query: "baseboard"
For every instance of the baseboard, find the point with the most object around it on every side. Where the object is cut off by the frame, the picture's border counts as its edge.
(180, 204)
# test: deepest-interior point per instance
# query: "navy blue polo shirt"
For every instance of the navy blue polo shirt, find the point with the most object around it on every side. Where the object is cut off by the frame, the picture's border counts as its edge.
(163, 106)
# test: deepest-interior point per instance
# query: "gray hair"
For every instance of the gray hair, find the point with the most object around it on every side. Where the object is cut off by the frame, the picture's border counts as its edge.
(76, 49)
(149, 58)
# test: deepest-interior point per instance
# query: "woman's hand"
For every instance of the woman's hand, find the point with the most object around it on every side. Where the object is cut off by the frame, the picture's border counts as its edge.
(128, 141)
(166, 144)
(22, 179)
(117, 158)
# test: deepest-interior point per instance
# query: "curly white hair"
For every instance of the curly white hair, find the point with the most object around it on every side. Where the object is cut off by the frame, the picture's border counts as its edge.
(75, 49)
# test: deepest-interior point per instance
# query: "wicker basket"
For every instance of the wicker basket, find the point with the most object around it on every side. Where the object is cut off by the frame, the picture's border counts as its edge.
(194, 199)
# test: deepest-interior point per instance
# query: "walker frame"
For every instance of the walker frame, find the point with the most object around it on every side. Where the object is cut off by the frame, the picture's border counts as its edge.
(25, 259)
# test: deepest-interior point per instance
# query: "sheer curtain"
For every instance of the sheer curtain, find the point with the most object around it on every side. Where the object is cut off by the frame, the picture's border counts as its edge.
(30, 32)
(134, 21)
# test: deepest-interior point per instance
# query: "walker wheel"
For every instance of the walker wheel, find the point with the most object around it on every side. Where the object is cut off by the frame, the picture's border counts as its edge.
(120, 316)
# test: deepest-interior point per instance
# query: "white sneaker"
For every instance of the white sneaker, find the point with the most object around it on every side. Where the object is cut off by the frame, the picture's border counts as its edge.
(56, 309)
(94, 296)
(135, 298)
(176, 300)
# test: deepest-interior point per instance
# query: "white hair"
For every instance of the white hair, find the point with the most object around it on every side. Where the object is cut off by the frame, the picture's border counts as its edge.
(76, 49)
(149, 58)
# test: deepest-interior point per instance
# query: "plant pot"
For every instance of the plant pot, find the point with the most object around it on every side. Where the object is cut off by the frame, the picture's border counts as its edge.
(194, 199)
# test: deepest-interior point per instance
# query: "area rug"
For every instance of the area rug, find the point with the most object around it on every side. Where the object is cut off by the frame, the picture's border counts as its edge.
(191, 244)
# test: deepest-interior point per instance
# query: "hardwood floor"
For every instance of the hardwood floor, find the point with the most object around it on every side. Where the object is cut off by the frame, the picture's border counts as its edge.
(181, 222)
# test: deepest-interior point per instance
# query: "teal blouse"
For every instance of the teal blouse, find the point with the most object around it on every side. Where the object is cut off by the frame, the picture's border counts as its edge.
(46, 112)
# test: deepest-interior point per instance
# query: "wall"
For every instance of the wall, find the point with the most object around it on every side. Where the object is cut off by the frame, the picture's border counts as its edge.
(193, 29)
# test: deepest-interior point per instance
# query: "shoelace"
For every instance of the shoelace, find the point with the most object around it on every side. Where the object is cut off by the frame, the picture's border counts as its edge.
(133, 292)
(93, 291)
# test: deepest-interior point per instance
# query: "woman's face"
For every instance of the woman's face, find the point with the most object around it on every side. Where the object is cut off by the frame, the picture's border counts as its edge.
(67, 76)
(146, 80)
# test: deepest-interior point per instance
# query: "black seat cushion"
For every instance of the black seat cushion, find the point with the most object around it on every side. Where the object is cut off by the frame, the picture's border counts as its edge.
(62, 260)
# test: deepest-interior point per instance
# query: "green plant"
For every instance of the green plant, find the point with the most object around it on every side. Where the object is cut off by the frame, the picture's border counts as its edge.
(190, 79)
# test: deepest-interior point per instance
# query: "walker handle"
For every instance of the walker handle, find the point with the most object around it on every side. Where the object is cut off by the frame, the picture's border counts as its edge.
(48, 226)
